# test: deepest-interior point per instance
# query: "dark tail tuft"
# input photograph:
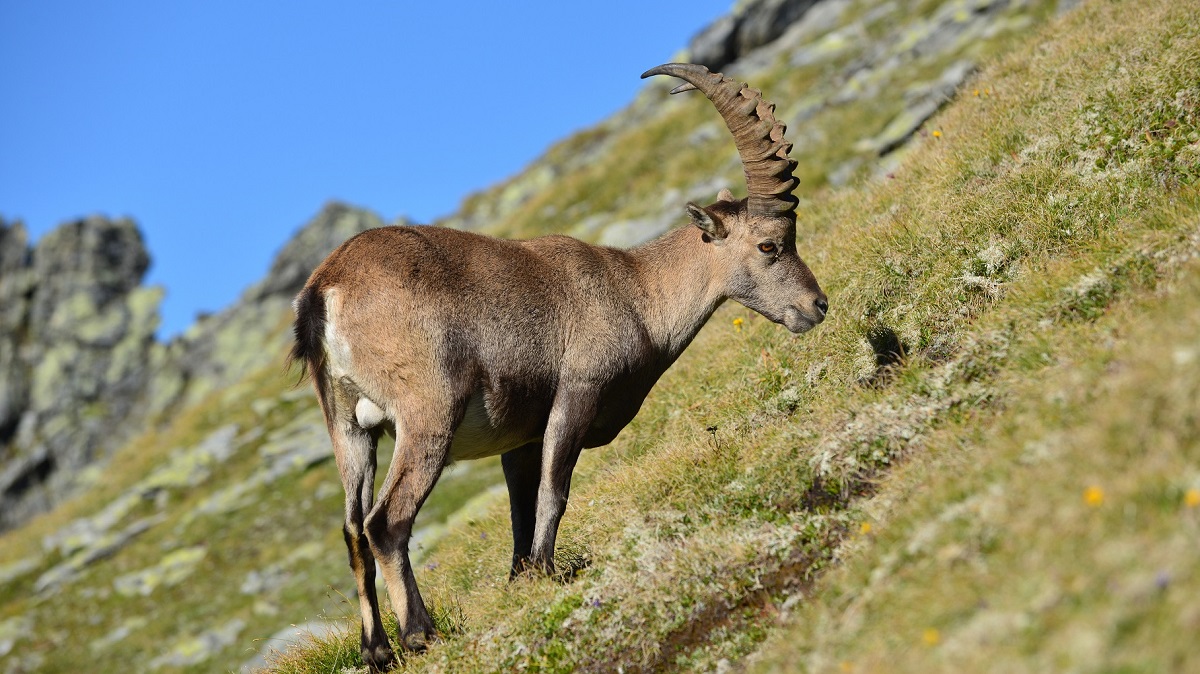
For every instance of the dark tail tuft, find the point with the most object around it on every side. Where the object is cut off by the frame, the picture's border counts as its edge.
(309, 350)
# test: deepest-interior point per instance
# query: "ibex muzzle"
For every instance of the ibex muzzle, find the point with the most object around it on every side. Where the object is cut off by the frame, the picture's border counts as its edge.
(468, 346)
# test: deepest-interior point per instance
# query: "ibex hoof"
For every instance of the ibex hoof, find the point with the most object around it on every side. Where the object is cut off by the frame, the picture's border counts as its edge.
(379, 658)
(417, 641)
(527, 568)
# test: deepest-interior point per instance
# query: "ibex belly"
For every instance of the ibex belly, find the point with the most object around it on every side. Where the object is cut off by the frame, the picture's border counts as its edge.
(478, 436)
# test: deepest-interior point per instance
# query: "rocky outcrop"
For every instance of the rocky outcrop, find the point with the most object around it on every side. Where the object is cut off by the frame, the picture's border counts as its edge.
(77, 331)
(81, 370)
(750, 26)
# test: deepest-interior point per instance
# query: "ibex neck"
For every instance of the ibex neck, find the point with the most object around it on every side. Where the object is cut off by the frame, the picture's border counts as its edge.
(680, 287)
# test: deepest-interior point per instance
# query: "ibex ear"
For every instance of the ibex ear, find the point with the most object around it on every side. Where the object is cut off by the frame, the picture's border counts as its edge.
(725, 195)
(705, 220)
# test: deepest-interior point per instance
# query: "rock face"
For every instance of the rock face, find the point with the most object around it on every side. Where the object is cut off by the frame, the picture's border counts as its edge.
(77, 330)
(80, 370)
(750, 26)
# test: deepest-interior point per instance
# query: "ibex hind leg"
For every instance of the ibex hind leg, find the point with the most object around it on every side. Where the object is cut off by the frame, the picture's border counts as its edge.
(354, 448)
(422, 449)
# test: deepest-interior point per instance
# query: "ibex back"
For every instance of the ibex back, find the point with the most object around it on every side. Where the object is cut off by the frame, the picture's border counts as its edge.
(468, 346)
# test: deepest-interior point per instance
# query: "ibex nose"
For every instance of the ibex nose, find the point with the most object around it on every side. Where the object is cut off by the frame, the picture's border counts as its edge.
(822, 306)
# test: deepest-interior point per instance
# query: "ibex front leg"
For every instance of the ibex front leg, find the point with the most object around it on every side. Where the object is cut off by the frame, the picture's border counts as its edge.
(570, 419)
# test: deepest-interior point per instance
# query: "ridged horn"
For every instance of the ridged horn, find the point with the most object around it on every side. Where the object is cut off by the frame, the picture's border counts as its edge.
(756, 133)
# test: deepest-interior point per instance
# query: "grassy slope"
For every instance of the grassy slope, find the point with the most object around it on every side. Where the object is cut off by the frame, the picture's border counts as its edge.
(1016, 493)
(1056, 528)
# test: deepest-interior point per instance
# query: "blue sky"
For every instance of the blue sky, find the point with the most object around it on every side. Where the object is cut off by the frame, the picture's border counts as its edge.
(222, 127)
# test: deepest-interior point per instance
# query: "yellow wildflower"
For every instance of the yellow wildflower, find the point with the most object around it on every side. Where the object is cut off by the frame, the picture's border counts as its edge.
(865, 528)
(1191, 499)
(975, 93)
(1093, 496)
(931, 637)
(937, 134)
(737, 323)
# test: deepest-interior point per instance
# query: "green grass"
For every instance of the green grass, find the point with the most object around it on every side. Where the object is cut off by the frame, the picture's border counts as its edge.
(1012, 493)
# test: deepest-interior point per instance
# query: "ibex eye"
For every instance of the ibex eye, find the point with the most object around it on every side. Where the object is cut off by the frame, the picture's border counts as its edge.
(767, 247)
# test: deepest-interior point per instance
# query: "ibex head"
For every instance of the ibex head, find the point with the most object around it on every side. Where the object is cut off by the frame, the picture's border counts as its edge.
(755, 238)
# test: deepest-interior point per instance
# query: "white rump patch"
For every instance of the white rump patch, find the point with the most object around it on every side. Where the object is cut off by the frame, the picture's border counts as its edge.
(369, 414)
(337, 348)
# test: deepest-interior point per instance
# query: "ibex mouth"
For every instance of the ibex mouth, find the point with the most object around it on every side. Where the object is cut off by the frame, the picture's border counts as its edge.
(797, 322)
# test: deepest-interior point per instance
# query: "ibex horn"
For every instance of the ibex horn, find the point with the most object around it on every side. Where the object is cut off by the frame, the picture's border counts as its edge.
(756, 133)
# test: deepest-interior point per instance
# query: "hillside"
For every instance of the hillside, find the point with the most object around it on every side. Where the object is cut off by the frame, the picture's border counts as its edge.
(988, 454)
(986, 461)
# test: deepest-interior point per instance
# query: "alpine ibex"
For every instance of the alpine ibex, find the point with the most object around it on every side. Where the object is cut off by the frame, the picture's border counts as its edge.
(467, 346)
